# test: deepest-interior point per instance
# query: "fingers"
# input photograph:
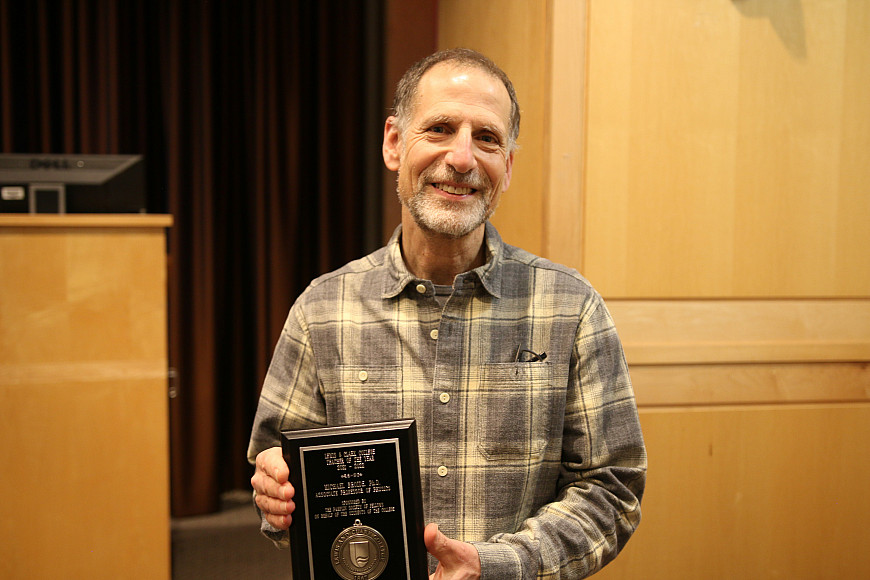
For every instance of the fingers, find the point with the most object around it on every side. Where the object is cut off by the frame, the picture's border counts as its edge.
(271, 462)
(267, 486)
(274, 491)
(277, 512)
(271, 475)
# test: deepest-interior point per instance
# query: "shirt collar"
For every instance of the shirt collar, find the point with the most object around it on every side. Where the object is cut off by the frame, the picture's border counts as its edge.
(489, 274)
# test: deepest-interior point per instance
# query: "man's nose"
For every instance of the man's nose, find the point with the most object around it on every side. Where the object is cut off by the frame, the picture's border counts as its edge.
(461, 154)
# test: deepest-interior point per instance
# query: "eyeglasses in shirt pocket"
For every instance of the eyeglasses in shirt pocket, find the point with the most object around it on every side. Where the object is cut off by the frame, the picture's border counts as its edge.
(516, 414)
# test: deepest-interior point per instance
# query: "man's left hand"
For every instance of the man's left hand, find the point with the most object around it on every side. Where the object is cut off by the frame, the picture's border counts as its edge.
(456, 560)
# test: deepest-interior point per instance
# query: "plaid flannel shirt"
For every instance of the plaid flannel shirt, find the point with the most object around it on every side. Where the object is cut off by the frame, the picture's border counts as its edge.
(540, 464)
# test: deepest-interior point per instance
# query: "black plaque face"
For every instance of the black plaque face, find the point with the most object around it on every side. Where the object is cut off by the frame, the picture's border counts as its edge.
(359, 511)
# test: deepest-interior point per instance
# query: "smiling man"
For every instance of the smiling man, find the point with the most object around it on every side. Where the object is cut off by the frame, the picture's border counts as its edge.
(453, 157)
(452, 146)
(532, 459)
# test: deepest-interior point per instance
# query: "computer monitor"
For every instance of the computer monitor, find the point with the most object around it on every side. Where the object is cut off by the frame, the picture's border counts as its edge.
(33, 183)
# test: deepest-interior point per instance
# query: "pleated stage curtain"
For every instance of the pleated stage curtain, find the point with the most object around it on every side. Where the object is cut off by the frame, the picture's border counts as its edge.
(260, 122)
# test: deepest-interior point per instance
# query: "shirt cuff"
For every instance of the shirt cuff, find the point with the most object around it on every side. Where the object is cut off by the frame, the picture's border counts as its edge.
(498, 561)
(281, 538)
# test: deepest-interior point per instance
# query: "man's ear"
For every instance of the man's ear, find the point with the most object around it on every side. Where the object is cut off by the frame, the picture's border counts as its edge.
(509, 168)
(391, 144)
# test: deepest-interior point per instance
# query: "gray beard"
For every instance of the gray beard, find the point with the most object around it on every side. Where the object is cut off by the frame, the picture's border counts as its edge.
(442, 217)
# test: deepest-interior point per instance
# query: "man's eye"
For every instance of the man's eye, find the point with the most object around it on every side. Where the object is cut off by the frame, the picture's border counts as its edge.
(490, 140)
(437, 129)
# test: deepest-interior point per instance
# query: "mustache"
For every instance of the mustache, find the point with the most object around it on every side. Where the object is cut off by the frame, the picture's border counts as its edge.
(474, 178)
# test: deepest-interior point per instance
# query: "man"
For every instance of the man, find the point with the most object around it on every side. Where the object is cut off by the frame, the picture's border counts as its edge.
(532, 459)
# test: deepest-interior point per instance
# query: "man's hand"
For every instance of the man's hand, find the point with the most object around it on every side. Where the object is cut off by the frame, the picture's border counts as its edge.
(456, 560)
(274, 491)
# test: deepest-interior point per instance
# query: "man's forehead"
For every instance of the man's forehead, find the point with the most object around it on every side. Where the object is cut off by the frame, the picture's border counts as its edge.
(452, 82)
(456, 73)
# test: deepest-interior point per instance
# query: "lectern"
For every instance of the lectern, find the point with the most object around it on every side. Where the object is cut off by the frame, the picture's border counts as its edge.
(83, 397)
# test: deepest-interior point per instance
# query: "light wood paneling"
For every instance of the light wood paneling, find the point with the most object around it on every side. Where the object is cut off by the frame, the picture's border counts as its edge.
(741, 331)
(727, 149)
(701, 352)
(753, 492)
(740, 384)
(514, 34)
(564, 143)
(83, 393)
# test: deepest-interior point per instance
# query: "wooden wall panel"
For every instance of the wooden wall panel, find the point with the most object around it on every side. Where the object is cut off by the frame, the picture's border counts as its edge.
(750, 383)
(565, 146)
(723, 157)
(742, 331)
(850, 269)
(759, 492)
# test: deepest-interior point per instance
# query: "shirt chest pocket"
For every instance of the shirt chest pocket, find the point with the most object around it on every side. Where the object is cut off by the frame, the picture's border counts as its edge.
(519, 411)
(363, 394)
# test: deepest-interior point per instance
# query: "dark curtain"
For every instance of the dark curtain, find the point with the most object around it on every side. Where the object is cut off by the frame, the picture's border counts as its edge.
(260, 122)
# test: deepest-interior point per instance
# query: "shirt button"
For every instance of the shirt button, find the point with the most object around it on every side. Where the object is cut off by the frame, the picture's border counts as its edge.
(363, 375)
(434, 334)
(442, 471)
(444, 398)
(421, 288)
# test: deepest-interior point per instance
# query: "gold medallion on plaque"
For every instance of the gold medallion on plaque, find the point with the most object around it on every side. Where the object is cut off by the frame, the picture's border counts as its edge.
(359, 553)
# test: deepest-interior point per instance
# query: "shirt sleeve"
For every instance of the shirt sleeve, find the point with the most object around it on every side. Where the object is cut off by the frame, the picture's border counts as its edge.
(292, 376)
(602, 475)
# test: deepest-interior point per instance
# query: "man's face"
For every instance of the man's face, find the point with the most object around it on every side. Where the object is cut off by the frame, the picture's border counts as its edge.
(453, 159)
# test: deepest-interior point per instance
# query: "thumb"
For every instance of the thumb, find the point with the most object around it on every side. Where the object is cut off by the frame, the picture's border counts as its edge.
(436, 542)
(455, 559)
(433, 538)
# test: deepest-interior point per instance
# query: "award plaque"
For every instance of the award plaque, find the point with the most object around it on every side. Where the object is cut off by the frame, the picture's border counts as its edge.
(359, 508)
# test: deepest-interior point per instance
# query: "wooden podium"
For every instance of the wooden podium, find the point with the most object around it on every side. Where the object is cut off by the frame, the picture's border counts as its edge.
(83, 397)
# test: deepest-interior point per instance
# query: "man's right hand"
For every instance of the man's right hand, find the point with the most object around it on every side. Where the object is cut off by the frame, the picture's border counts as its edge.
(274, 491)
